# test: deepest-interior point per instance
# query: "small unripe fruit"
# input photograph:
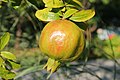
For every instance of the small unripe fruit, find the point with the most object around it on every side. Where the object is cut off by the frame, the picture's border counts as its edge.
(61, 40)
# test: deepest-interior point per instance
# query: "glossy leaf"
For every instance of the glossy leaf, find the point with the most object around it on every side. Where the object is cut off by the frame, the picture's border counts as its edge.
(69, 12)
(82, 15)
(53, 3)
(8, 55)
(45, 15)
(14, 65)
(4, 40)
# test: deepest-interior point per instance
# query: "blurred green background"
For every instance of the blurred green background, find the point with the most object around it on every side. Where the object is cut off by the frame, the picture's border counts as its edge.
(102, 38)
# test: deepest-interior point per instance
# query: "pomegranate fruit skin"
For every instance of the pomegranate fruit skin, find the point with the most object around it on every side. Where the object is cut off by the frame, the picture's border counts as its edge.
(62, 40)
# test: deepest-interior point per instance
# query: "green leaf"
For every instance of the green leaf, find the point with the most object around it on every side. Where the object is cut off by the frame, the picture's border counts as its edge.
(14, 65)
(1, 61)
(29, 70)
(60, 11)
(3, 72)
(73, 3)
(6, 74)
(5, 0)
(106, 2)
(9, 75)
(53, 3)
(8, 55)
(4, 40)
(16, 2)
(79, 3)
(69, 12)
(92, 1)
(45, 15)
(82, 15)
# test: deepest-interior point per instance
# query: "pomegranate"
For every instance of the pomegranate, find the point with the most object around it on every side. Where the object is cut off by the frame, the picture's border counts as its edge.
(61, 40)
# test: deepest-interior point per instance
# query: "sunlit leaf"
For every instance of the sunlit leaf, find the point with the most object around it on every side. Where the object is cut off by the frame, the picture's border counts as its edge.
(78, 2)
(69, 12)
(9, 75)
(4, 40)
(5, 0)
(14, 65)
(45, 15)
(73, 3)
(60, 12)
(1, 61)
(3, 71)
(8, 55)
(53, 3)
(70, 5)
(6, 74)
(82, 15)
